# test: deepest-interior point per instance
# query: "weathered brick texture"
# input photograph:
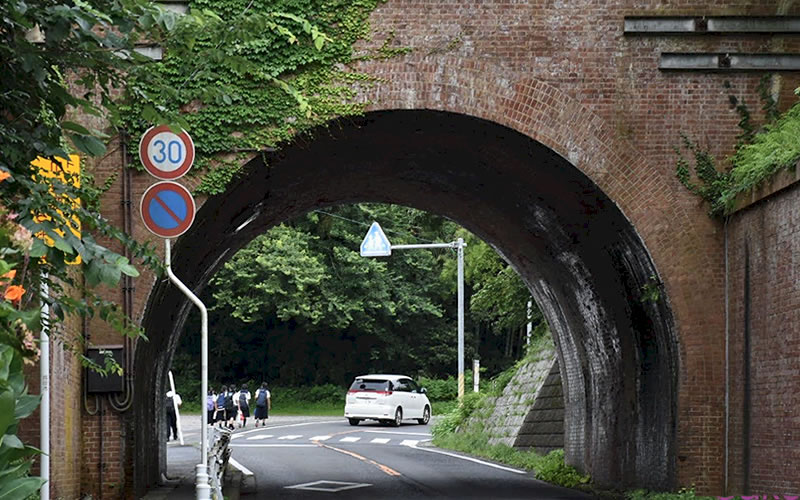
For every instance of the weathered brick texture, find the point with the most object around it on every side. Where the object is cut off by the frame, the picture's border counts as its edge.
(564, 74)
(764, 333)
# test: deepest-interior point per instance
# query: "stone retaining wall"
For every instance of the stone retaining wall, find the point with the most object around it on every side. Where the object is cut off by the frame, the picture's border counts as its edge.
(530, 412)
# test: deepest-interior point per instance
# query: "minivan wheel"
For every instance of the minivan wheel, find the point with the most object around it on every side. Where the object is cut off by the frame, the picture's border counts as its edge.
(398, 417)
(353, 421)
(426, 416)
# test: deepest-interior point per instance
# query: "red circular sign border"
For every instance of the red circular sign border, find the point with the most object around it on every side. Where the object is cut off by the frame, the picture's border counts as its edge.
(155, 228)
(152, 169)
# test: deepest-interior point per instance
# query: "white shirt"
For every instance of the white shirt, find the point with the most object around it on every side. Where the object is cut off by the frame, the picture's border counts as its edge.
(175, 397)
(238, 396)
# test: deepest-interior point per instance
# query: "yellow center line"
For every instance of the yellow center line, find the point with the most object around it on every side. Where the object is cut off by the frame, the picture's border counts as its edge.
(383, 468)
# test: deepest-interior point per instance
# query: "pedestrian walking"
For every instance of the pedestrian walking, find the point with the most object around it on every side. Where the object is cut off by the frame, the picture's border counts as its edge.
(242, 400)
(230, 408)
(220, 406)
(211, 406)
(173, 400)
(263, 404)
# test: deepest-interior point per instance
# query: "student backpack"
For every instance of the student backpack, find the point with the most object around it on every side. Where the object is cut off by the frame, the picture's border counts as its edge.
(242, 399)
(262, 398)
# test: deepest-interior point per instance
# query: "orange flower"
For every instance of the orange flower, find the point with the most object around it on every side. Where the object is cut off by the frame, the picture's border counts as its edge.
(14, 293)
(4, 175)
(8, 276)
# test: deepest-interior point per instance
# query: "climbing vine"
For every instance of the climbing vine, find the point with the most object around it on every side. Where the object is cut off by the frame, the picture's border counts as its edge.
(760, 153)
(248, 97)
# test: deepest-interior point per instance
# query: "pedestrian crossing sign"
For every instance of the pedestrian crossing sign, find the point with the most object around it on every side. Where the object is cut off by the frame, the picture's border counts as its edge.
(375, 243)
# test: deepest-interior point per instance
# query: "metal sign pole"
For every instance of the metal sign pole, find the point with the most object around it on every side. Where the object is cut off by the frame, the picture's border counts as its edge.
(202, 487)
(460, 247)
(44, 381)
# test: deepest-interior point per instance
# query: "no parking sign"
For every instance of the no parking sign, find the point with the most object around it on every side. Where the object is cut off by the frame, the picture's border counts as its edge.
(165, 154)
(167, 209)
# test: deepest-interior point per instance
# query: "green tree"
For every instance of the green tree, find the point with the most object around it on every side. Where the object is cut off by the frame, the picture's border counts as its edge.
(299, 305)
(499, 297)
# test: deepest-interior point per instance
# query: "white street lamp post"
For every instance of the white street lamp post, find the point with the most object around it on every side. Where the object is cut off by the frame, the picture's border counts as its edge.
(376, 244)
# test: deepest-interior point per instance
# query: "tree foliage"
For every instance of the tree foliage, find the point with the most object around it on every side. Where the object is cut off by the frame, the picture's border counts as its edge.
(299, 305)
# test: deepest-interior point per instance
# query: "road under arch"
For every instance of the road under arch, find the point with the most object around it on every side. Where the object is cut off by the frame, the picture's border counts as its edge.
(583, 260)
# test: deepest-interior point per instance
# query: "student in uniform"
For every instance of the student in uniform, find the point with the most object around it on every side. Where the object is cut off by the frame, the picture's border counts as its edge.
(220, 406)
(242, 401)
(263, 404)
(230, 409)
(211, 406)
(173, 400)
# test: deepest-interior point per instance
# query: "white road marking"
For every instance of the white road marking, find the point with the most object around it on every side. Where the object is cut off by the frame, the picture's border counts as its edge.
(470, 459)
(265, 428)
(279, 445)
(380, 440)
(291, 436)
(426, 434)
(410, 442)
(261, 436)
(244, 470)
(328, 486)
(320, 438)
(349, 439)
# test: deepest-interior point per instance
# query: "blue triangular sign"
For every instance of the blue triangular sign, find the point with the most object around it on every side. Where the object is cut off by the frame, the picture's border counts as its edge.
(375, 243)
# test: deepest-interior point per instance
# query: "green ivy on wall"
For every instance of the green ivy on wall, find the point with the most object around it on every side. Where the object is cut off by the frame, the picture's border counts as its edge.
(245, 97)
(760, 153)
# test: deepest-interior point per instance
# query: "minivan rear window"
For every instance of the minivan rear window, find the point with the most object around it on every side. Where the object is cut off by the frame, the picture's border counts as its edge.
(364, 384)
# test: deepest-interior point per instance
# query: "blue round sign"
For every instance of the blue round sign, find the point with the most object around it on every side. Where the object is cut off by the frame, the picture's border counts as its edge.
(167, 209)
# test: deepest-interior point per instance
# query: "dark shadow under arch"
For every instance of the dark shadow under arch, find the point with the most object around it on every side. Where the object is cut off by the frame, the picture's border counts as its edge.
(582, 259)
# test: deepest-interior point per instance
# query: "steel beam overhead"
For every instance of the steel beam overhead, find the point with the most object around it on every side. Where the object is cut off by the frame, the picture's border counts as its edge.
(729, 62)
(692, 25)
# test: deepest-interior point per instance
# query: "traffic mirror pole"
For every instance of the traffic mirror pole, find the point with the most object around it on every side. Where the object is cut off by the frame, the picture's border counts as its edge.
(202, 488)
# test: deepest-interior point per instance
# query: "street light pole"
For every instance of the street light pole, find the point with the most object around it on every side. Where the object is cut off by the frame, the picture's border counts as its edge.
(460, 246)
(376, 244)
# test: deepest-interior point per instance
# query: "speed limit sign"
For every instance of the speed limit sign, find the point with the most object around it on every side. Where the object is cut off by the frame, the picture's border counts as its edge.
(165, 154)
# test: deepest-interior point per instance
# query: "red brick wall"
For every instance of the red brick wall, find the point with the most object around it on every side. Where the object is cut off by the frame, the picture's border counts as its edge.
(103, 434)
(565, 75)
(764, 294)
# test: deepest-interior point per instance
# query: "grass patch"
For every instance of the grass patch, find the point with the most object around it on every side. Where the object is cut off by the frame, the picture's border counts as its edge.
(308, 409)
(443, 407)
(550, 468)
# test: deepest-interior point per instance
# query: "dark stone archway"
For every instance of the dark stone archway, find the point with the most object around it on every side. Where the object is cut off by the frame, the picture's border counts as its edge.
(581, 257)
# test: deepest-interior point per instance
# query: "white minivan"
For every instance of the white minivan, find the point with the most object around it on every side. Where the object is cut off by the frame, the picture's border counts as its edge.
(387, 399)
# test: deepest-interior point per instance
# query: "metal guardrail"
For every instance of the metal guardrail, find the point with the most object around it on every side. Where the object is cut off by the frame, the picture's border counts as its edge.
(218, 455)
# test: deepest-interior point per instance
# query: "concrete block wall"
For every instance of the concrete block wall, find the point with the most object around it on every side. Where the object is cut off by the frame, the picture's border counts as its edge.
(543, 428)
(530, 412)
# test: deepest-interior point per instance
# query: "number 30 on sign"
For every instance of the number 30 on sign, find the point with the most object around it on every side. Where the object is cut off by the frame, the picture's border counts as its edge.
(165, 154)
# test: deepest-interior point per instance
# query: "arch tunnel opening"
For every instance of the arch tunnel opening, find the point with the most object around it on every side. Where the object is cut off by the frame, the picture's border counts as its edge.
(582, 259)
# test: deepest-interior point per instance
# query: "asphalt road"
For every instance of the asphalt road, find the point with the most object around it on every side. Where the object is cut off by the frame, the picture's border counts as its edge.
(328, 458)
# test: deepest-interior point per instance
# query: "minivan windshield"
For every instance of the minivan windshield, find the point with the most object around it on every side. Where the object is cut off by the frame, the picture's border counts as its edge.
(370, 384)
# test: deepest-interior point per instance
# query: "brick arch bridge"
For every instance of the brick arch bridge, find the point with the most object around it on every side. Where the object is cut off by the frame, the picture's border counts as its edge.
(550, 134)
